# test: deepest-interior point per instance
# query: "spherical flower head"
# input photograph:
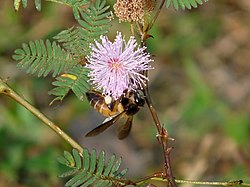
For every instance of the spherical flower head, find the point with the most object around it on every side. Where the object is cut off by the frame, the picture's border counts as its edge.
(115, 67)
(133, 10)
(129, 10)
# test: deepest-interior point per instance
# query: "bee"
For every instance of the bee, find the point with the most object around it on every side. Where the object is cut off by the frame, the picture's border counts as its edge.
(124, 107)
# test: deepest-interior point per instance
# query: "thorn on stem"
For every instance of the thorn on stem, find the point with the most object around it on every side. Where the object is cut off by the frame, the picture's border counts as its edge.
(169, 150)
(163, 135)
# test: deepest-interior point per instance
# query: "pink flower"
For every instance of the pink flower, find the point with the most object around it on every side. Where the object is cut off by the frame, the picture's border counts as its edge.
(115, 67)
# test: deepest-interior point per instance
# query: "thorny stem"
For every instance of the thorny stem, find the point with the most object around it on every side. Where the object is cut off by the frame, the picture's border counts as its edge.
(162, 132)
(163, 139)
(5, 89)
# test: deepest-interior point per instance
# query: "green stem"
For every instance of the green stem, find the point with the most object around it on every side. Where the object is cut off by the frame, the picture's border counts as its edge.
(227, 183)
(210, 183)
(59, 2)
(5, 89)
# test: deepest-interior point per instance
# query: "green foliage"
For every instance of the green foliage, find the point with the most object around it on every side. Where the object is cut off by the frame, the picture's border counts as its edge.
(74, 79)
(93, 22)
(17, 4)
(42, 58)
(237, 128)
(72, 3)
(24, 161)
(90, 169)
(189, 4)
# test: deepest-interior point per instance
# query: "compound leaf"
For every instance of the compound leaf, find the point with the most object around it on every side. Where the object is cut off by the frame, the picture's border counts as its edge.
(90, 172)
(75, 79)
(41, 58)
(94, 21)
(183, 4)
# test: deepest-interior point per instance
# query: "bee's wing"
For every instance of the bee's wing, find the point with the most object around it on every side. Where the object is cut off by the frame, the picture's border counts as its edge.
(104, 126)
(124, 130)
(107, 119)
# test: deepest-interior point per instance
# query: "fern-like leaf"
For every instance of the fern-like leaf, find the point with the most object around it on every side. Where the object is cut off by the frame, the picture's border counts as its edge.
(189, 4)
(89, 169)
(74, 79)
(73, 41)
(72, 3)
(17, 4)
(42, 58)
(93, 22)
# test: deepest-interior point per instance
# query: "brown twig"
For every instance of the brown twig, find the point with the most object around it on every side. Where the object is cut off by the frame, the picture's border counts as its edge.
(163, 140)
(150, 25)
(5, 89)
(162, 135)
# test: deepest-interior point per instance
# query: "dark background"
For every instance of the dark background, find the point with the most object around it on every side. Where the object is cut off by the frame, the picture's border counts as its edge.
(200, 88)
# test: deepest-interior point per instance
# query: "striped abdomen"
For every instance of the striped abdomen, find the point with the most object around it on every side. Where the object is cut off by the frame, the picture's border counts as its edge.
(97, 101)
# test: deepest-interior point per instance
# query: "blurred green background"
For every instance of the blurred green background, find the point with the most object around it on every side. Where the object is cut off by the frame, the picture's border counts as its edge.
(200, 88)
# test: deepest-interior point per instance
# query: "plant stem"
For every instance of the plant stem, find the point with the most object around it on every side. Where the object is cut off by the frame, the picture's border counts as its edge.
(228, 183)
(210, 183)
(158, 177)
(162, 132)
(156, 16)
(163, 139)
(5, 89)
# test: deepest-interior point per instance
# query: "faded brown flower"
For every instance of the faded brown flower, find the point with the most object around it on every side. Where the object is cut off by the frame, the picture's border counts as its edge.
(132, 10)
(149, 5)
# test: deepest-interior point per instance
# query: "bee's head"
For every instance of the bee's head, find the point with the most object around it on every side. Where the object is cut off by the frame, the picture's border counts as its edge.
(132, 97)
(138, 99)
